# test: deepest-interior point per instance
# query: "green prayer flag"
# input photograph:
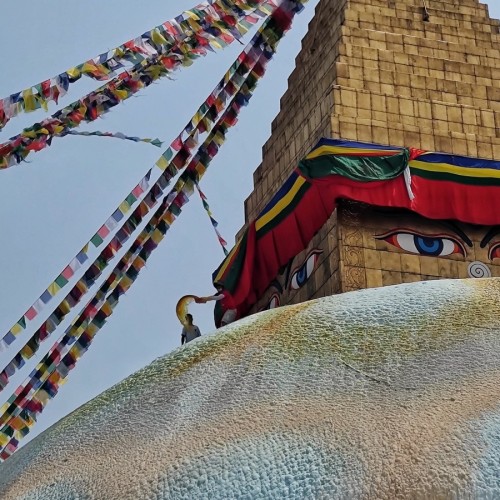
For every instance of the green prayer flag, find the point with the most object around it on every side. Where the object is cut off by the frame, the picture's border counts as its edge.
(96, 240)
(61, 280)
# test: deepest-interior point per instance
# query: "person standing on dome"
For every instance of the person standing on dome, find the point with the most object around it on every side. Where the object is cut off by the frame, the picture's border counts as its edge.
(190, 331)
(226, 302)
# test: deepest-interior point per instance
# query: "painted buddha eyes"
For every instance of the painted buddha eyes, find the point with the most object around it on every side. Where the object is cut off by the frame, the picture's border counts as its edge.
(300, 275)
(297, 279)
(421, 244)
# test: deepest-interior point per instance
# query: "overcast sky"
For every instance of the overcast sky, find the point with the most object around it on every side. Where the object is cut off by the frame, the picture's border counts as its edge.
(51, 207)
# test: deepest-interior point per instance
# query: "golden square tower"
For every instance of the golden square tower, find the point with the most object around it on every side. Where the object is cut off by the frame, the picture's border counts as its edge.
(404, 73)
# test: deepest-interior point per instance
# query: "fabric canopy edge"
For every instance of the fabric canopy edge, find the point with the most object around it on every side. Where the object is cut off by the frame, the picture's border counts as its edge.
(364, 172)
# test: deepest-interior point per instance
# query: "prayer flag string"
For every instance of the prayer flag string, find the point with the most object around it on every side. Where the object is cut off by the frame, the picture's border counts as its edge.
(100, 101)
(215, 24)
(176, 156)
(214, 223)
(117, 135)
(19, 413)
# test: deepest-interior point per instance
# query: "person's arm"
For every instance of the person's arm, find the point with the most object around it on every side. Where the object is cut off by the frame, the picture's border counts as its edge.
(183, 336)
(219, 296)
(198, 333)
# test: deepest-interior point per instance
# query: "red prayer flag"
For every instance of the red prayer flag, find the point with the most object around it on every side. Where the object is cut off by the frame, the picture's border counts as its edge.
(177, 144)
(68, 272)
(46, 88)
(137, 191)
(103, 231)
(31, 313)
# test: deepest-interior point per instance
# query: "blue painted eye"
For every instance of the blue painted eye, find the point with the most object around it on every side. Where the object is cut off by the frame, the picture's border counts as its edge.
(300, 277)
(436, 245)
(429, 246)
(302, 274)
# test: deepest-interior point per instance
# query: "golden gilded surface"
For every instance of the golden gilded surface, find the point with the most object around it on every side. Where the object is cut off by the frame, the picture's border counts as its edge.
(396, 247)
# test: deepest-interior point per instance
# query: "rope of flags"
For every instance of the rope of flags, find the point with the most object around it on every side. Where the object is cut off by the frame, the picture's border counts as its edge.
(20, 412)
(214, 223)
(175, 156)
(100, 101)
(179, 154)
(117, 135)
(214, 24)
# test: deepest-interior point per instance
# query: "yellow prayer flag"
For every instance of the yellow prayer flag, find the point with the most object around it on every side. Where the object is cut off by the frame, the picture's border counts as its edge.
(106, 309)
(121, 94)
(200, 168)
(16, 329)
(65, 307)
(215, 44)
(156, 71)
(169, 217)
(192, 14)
(74, 73)
(103, 70)
(139, 263)
(43, 103)
(124, 207)
(26, 352)
(157, 236)
(92, 329)
(219, 138)
(126, 283)
(193, 24)
(73, 330)
(88, 67)
(55, 377)
(157, 37)
(17, 423)
(162, 163)
(53, 288)
(32, 134)
(29, 100)
(3, 439)
(78, 330)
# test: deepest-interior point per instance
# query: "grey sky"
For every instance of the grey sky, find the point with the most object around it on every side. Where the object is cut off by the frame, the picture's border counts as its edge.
(52, 206)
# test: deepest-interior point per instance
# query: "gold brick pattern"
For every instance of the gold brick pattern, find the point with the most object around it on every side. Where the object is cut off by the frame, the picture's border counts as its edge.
(375, 71)
(389, 264)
